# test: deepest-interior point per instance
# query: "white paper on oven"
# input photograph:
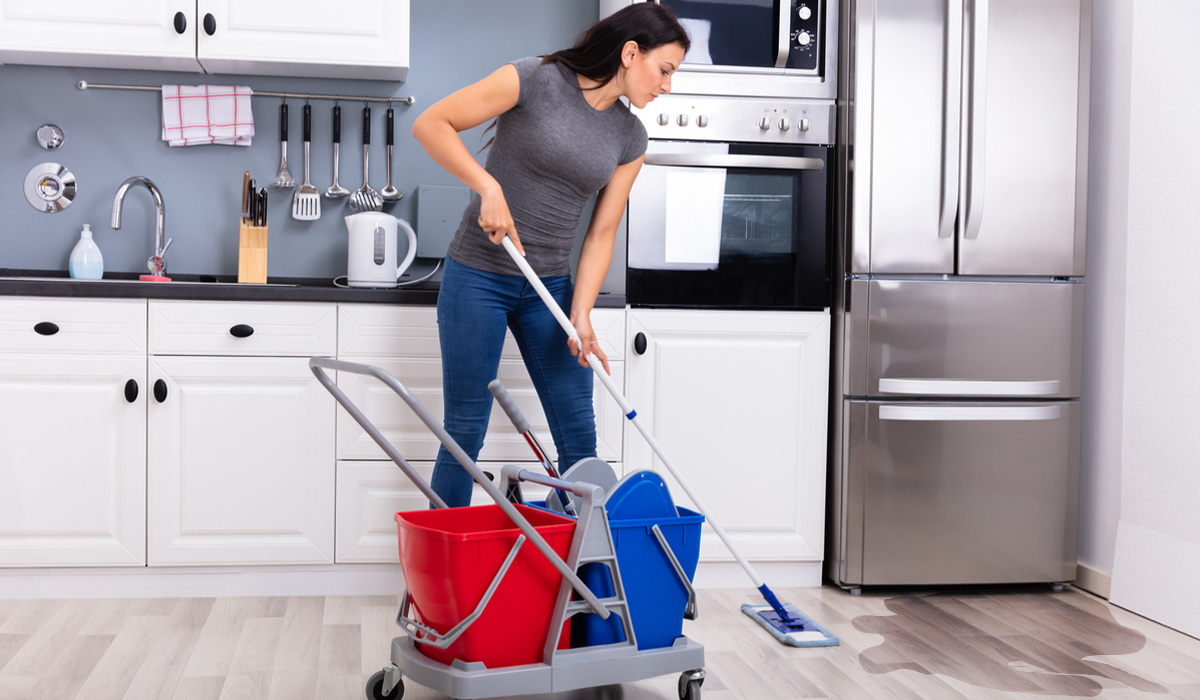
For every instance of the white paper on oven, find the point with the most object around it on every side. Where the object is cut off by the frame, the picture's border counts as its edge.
(695, 200)
(698, 31)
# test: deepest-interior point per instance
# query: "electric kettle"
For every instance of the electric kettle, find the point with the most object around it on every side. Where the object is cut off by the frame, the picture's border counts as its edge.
(372, 256)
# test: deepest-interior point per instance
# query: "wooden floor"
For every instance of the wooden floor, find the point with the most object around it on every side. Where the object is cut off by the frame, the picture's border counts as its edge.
(911, 646)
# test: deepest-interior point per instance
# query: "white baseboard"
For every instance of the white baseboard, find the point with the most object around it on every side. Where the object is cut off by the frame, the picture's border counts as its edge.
(340, 579)
(776, 574)
(1093, 580)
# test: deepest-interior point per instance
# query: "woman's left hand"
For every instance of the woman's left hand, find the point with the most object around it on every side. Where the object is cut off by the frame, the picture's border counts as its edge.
(587, 339)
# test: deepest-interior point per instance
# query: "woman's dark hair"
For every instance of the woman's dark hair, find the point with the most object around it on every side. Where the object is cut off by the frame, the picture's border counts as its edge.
(597, 52)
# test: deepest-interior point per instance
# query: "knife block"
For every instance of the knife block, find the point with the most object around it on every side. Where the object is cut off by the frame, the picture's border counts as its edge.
(252, 253)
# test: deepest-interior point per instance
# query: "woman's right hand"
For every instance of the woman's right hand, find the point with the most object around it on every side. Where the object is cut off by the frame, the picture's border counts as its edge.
(495, 219)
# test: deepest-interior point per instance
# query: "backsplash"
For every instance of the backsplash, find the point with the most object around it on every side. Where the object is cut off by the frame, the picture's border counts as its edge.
(111, 135)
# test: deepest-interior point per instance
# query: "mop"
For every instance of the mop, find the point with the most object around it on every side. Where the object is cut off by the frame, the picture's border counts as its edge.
(784, 622)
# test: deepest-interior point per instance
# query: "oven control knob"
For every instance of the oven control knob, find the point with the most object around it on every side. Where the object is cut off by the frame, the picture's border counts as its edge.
(802, 125)
(804, 12)
(683, 120)
(702, 121)
(664, 119)
(804, 39)
(784, 124)
(764, 123)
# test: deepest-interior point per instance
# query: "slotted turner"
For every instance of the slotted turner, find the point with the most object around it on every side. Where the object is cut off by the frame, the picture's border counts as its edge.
(306, 202)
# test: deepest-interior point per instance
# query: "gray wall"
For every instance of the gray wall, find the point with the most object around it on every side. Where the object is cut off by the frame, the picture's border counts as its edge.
(111, 135)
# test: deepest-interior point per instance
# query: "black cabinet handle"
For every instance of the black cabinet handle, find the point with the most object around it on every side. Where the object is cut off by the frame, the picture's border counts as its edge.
(160, 390)
(210, 24)
(241, 330)
(639, 343)
(46, 328)
(131, 390)
(180, 23)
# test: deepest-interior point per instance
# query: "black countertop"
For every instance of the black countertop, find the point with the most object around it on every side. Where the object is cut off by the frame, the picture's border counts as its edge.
(44, 283)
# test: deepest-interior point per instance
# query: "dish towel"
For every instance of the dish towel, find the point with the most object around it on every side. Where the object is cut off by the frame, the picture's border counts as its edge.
(197, 115)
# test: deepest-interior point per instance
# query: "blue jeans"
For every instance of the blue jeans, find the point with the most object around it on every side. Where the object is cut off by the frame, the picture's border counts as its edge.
(474, 309)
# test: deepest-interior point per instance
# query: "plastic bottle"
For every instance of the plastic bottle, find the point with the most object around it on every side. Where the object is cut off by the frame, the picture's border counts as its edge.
(86, 261)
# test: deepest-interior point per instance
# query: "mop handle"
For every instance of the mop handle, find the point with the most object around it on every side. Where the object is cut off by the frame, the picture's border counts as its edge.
(626, 408)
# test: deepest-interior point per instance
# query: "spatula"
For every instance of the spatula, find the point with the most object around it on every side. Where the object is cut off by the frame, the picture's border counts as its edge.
(284, 178)
(365, 198)
(306, 202)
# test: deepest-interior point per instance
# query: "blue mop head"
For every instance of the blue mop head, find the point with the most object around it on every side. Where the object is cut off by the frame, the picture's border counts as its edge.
(799, 631)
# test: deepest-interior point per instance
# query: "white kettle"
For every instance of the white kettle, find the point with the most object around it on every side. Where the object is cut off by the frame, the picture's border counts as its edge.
(372, 257)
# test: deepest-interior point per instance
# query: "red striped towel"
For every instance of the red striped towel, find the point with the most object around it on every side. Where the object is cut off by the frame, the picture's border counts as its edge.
(195, 115)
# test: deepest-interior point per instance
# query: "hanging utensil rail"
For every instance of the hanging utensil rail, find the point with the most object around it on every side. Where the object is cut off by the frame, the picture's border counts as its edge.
(408, 99)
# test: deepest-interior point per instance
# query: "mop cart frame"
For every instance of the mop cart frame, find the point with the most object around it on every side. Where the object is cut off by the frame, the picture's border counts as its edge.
(560, 669)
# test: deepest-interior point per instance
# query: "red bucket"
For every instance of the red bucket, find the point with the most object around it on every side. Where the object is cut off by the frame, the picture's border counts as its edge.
(450, 556)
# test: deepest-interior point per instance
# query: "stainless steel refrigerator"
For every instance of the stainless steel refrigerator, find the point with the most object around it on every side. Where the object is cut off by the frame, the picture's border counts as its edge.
(959, 320)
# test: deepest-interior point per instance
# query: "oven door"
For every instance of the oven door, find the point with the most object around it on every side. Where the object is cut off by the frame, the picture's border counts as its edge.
(717, 225)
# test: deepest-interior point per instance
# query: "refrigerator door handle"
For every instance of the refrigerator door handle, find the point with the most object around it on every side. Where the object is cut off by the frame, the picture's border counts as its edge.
(976, 120)
(969, 387)
(784, 17)
(952, 101)
(970, 413)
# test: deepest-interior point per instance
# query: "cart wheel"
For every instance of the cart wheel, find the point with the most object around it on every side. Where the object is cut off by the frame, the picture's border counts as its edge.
(692, 691)
(375, 688)
(689, 684)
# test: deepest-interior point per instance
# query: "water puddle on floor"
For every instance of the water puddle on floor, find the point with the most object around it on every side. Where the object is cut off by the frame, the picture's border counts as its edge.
(1035, 643)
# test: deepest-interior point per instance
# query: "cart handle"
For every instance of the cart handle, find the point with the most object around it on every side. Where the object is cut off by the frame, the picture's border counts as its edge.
(689, 612)
(319, 364)
(440, 641)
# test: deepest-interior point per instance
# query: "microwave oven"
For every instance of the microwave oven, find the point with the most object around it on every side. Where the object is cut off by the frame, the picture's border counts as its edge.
(755, 48)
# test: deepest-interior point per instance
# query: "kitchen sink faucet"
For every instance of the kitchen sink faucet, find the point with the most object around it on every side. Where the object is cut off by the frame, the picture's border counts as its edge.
(156, 264)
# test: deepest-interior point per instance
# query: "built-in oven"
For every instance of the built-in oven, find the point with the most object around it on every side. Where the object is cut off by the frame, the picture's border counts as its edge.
(778, 48)
(732, 208)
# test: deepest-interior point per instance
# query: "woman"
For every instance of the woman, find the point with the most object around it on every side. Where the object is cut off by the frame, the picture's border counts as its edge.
(562, 134)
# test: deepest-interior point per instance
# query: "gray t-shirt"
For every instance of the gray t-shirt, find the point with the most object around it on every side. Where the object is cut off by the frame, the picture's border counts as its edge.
(552, 151)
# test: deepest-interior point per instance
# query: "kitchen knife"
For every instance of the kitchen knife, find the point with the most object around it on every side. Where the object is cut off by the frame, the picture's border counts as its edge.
(262, 207)
(246, 193)
(252, 206)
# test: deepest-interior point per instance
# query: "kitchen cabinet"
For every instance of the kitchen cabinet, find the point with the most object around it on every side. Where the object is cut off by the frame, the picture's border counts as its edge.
(241, 434)
(403, 341)
(363, 39)
(739, 402)
(72, 432)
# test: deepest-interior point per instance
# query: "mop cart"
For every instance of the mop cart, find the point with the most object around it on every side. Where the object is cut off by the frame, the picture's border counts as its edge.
(486, 616)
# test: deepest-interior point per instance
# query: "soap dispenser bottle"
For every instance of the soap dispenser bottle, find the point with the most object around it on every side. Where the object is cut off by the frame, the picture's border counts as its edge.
(86, 261)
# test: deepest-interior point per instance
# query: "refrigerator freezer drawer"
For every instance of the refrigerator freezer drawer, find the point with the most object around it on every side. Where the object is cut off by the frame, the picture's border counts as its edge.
(963, 338)
(957, 493)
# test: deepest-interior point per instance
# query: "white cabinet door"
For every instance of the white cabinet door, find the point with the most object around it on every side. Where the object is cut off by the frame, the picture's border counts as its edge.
(127, 34)
(739, 402)
(365, 39)
(72, 461)
(241, 466)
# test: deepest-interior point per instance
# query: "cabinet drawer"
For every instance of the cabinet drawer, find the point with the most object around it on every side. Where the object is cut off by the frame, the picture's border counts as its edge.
(236, 328)
(374, 330)
(74, 326)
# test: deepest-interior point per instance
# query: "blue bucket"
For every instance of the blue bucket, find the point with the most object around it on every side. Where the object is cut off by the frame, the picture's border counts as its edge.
(657, 598)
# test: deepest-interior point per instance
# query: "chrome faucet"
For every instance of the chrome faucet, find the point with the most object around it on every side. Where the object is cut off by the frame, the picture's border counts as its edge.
(156, 264)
